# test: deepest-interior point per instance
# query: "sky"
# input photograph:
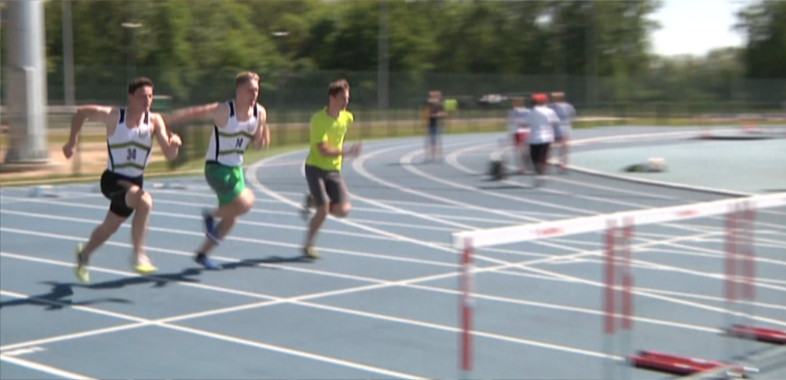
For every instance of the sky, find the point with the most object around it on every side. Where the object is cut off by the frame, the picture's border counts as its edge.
(696, 26)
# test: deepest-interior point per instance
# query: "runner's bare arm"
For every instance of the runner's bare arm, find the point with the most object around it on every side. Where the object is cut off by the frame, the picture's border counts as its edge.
(169, 143)
(103, 114)
(184, 115)
(262, 135)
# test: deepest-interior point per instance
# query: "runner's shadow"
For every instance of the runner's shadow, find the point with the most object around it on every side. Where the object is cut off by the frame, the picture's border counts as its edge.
(503, 187)
(54, 300)
(249, 263)
(158, 280)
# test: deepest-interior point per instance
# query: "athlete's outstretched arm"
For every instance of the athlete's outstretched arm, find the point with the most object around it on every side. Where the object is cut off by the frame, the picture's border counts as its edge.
(89, 112)
(183, 115)
(170, 144)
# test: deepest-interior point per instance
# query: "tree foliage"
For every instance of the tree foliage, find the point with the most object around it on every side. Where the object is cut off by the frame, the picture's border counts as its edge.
(764, 24)
(193, 48)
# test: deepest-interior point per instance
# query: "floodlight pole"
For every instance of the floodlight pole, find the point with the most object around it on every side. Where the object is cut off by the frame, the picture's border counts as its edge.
(383, 61)
(68, 55)
(591, 55)
(25, 81)
(130, 68)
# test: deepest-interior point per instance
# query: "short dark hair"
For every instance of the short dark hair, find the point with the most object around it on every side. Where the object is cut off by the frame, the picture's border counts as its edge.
(246, 77)
(136, 83)
(338, 86)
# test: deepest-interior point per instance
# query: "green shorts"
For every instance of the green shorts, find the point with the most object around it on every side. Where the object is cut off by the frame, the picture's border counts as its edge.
(226, 181)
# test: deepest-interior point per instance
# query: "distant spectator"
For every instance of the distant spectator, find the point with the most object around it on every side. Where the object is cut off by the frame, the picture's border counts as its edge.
(542, 122)
(519, 131)
(435, 111)
(566, 114)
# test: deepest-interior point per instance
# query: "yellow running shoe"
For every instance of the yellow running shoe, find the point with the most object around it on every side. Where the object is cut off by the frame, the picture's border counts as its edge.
(145, 268)
(310, 252)
(81, 272)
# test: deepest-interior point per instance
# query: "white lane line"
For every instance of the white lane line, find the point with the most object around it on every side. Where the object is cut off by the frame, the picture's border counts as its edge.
(235, 238)
(43, 368)
(301, 300)
(528, 266)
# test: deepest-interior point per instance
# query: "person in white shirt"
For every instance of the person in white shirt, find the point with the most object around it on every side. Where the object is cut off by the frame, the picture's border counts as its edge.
(542, 123)
(130, 132)
(519, 131)
(566, 114)
(238, 124)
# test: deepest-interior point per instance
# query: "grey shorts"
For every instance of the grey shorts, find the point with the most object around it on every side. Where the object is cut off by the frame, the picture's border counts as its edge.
(326, 184)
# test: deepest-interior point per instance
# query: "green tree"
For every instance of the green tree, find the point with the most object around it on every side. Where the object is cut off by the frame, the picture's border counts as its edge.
(764, 24)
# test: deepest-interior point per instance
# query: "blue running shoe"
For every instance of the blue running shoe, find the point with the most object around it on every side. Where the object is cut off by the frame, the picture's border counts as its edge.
(206, 262)
(210, 227)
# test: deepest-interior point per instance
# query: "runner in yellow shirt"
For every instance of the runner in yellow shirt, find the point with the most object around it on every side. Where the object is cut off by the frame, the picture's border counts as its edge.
(327, 190)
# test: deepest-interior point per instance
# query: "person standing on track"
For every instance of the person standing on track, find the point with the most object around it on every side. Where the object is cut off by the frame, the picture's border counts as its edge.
(542, 122)
(435, 111)
(238, 123)
(566, 114)
(129, 132)
(327, 191)
(519, 130)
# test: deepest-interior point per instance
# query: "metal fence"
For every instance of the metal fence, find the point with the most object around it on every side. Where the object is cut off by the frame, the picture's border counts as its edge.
(295, 92)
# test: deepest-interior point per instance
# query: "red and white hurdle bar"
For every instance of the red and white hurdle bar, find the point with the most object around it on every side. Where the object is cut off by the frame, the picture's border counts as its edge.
(761, 334)
(514, 234)
(739, 284)
(468, 241)
(680, 365)
(741, 272)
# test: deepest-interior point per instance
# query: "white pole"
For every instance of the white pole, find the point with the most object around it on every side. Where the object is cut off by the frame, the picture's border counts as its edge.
(26, 82)
(68, 55)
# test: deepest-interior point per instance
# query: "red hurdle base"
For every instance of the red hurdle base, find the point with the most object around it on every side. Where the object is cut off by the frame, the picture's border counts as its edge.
(680, 365)
(759, 333)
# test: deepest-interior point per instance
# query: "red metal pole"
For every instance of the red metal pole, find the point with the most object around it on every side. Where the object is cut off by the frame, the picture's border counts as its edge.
(627, 278)
(748, 263)
(466, 306)
(609, 326)
(731, 255)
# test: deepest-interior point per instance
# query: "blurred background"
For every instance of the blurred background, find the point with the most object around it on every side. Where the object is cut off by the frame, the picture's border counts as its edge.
(602, 54)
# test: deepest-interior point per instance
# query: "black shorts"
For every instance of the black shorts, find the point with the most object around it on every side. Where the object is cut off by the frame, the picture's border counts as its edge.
(116, 193)
(539, 153)
(434, 130)
(325, 184)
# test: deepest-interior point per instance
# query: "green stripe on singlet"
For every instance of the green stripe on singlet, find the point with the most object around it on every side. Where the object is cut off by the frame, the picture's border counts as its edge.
(225, 152)
(130, 165)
